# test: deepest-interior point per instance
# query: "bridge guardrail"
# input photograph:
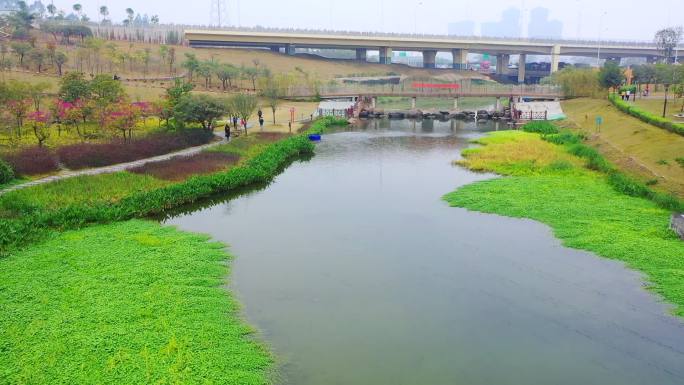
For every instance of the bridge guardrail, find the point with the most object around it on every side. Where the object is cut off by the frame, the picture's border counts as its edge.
(465, 90)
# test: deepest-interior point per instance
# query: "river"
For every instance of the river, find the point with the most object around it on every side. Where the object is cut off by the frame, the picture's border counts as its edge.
(354, 271)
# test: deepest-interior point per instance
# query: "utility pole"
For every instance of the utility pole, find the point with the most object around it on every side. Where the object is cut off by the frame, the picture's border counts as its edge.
(218, 13)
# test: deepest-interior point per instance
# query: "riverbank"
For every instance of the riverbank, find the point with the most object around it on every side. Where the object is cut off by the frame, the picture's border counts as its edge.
(130, 302)
(548, 183)
(644, 151)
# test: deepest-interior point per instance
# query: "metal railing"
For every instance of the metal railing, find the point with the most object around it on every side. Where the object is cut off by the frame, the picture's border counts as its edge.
(405, 90)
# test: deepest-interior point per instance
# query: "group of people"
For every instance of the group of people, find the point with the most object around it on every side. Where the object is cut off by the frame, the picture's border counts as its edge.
(243, 124)
(625, 95)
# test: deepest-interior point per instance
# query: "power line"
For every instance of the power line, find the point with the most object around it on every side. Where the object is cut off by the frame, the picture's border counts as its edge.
(218, 13)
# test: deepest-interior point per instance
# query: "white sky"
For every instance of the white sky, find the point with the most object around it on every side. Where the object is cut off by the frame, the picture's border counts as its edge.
(624, 19)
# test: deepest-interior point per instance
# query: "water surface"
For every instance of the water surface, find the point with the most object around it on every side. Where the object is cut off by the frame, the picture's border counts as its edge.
(356, 272)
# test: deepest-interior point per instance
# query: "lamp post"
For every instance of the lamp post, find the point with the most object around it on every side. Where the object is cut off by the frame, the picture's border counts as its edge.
(598, 55)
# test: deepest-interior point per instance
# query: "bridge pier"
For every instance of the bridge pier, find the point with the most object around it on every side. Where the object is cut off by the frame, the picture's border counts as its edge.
(290, 49)
(361, 54)
(521, 68)
(275, 48)
(456, 103)
(385, 55)
(413, 103)
(374, 102)
(502, 61)
(460, 59)
(555, 58)
(614, 59)
(497, 107)
(651, 59)
(429, 58)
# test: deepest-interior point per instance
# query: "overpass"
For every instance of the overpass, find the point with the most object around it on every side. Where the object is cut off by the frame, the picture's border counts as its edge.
(459, 47)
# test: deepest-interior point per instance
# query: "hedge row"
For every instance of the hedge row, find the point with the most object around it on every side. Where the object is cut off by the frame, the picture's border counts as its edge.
(260, 169)
(646, 116)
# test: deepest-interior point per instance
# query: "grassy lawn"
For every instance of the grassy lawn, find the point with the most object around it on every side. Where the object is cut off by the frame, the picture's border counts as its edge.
(643, 150)
(583, 210)
(398, 103)
(128, 303)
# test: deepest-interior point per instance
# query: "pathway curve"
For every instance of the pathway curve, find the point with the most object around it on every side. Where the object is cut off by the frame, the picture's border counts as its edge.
(114, 168)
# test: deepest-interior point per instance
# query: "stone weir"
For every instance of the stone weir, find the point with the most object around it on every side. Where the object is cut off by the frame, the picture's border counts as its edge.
(476, 115)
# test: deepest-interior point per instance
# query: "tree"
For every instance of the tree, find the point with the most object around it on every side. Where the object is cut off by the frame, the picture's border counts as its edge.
(52, 10)
(36, 92)
(243, 105)
(575, 82)
(611, 76)
(191, 64)
(226, 73)
(644, 74)
(73, 86)
(21, 49)
(668, 75)
(155, 20)
(105, 91)
(172, 59)
(40, 123)
(206, 70)
(667, 41)
(122, 116)
(37, 57)
(200, 109)
(104, 12)
(251, 73)
(78, 8)
(130, 14)
(22, 19)
(273, 90)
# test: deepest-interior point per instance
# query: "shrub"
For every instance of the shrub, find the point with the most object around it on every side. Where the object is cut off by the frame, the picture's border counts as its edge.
(680, 161)
(647, 117)
(6, 172)
(84, 155)
(563, 138)
(181, 167)
(32, 161)
(540, 127)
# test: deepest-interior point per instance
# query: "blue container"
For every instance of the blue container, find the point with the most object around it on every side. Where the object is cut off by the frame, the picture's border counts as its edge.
(315, 137)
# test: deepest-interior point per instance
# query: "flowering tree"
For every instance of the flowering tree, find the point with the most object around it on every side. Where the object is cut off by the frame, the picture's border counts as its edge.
(123, 117)
(40, 122)
(72, 114)
(19, 109)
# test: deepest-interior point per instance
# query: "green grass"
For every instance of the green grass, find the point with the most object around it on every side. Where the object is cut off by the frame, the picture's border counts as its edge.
(584, 209)
(82, 190)
(127, 303)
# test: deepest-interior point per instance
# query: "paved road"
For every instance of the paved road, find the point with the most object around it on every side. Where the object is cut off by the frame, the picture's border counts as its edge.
(113, 168)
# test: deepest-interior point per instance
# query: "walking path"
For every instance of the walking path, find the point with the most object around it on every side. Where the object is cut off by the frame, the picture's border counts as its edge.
(116, 167)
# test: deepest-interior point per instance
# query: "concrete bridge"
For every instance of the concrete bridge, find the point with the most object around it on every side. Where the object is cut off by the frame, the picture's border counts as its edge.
(459, 47)
(498, 91)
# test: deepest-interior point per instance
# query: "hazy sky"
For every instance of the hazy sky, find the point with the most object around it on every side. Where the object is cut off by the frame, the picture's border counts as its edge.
(624, 19)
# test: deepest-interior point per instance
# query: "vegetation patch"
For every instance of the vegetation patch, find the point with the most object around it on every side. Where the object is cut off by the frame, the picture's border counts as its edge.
(181, 167)
(32, 161)
(6, 172)
(127, 303)
(84, 155)
(587, 209)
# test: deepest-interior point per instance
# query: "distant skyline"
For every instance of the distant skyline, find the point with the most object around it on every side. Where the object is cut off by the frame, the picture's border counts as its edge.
(628, 19)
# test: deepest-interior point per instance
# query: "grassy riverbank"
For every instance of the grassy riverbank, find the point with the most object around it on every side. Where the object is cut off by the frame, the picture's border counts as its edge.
(586, 208)
(131, 302)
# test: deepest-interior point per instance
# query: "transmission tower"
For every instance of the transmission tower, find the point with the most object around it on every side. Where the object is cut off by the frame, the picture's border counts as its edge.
(219, 13)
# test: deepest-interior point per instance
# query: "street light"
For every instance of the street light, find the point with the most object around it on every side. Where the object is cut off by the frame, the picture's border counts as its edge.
(415, 17)
(598, 55)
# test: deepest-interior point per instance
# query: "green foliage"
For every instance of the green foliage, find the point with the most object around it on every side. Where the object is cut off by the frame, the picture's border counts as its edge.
(604, 213)
(631, 88)
(680, 161)
(200, 109)
(576, 82)
(74, 86)
(6, 172)
(647, 117)
(127, 303)
(540, 127)
(243, 105)
(105, 89)
(611, 76)
(17, 230)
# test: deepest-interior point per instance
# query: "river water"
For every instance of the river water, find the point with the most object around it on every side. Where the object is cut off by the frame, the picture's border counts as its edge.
(354, 271)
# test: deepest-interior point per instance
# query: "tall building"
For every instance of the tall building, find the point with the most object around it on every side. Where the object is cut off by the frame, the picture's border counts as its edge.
(508, 26)
(541, 27)
(462, 28)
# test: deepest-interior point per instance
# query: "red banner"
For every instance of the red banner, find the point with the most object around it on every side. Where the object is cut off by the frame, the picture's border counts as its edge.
(449, 86)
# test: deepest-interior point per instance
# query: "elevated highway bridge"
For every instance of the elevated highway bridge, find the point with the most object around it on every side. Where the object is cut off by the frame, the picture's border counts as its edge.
(459, 47)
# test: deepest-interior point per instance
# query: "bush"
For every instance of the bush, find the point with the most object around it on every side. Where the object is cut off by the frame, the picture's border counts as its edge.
(563, 138)
(180, 167)
(84, 155)
(540, 127)
(647, 117)
(32, 161)
(6, 172)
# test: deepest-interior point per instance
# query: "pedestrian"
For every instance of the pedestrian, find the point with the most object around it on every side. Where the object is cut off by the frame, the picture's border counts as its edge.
(261, 122)
(235, 122)
(629, 94)
(260, 114)
(244, 124)
(289, 124)
(227, 130)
